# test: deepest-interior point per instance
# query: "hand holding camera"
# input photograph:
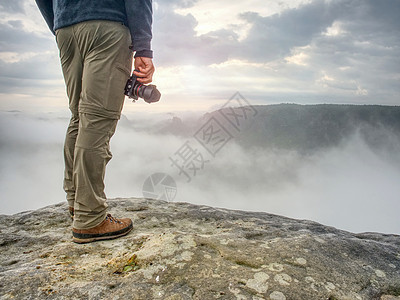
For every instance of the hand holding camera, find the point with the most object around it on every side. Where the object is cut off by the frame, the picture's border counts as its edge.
(143, 73)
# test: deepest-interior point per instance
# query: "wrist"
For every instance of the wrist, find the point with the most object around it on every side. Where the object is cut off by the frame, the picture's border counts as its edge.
(144, 53)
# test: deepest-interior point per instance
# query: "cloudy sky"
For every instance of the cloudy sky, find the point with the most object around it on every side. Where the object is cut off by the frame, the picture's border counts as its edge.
(300, 51)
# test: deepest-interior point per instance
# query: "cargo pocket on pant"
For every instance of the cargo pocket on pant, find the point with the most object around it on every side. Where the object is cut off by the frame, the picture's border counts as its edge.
(115, 98)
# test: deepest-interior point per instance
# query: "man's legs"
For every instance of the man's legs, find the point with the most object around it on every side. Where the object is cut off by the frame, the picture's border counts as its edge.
(69, 148)
(96, 62)
(91, 155)
(72, 66)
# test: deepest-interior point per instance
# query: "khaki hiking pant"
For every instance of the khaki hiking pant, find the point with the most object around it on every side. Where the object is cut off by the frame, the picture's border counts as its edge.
(96, 63)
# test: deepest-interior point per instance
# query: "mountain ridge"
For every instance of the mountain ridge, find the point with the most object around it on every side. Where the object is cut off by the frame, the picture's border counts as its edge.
(305, 128)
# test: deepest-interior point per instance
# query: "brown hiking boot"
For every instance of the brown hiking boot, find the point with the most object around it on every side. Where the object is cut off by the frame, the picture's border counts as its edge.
(110, 228)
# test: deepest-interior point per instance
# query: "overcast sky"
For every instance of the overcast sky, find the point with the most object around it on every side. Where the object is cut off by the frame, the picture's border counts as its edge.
(300, 51)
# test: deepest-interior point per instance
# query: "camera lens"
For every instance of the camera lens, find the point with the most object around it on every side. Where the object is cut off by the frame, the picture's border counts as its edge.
(149, 93)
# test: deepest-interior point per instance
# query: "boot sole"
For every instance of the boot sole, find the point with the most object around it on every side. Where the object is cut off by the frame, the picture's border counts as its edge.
(100, 238)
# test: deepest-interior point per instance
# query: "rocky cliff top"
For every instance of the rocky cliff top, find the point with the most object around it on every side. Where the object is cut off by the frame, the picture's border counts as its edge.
(183, 251)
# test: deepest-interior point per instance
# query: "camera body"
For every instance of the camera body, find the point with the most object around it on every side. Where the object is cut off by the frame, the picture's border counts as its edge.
(134, 90)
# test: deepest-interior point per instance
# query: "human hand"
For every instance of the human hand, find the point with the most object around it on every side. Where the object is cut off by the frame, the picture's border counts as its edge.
(146, 69)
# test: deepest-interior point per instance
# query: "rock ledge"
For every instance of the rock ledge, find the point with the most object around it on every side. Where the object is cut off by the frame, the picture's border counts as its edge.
(183, 251)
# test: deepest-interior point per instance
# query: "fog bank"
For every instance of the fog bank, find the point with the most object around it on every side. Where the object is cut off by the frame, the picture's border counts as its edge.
(348, 186)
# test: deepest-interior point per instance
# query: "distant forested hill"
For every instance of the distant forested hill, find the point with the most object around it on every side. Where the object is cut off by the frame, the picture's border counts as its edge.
(305, 127)
(308, 127)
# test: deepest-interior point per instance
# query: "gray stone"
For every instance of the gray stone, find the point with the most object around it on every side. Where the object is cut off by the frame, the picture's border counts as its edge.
(184, 251)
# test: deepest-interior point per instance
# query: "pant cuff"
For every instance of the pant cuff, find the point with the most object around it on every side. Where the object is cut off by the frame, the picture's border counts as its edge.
(88, 222)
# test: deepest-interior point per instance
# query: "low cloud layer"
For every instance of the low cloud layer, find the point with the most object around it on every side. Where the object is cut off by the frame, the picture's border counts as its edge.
(349, 186)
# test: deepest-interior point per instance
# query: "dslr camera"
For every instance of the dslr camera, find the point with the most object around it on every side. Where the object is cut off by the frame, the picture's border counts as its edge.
(134, 90)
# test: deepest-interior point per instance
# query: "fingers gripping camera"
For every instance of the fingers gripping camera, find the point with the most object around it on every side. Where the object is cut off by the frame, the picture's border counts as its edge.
(134, 90)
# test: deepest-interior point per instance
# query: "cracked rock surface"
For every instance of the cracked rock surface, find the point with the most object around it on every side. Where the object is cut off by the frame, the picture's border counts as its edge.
(178, 250)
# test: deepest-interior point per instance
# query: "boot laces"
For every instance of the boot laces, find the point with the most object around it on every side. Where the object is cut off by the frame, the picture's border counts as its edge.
(112, 219)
